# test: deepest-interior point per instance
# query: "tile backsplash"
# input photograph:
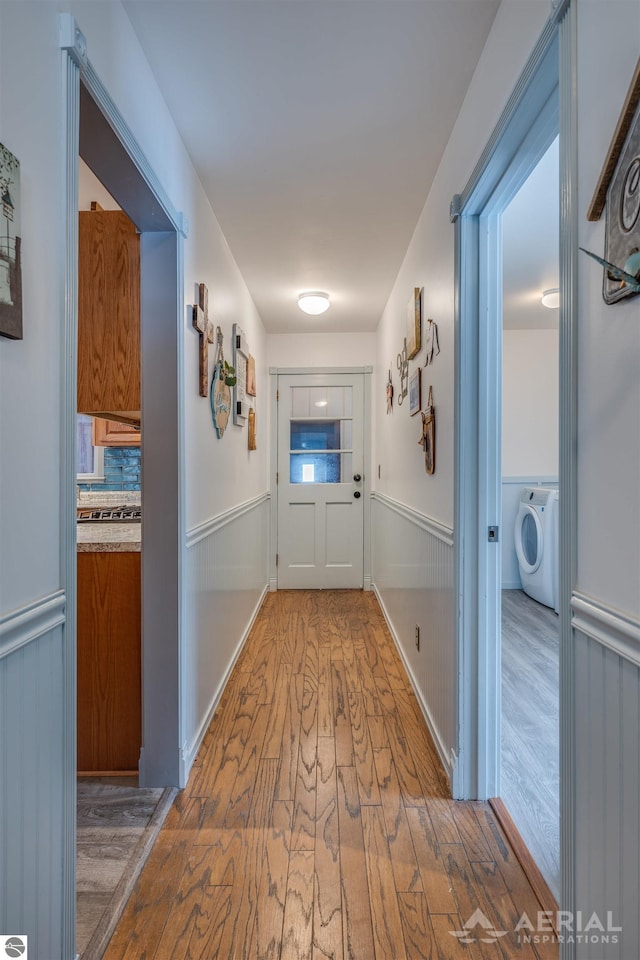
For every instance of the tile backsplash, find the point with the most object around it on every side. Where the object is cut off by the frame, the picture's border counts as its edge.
(121, 470)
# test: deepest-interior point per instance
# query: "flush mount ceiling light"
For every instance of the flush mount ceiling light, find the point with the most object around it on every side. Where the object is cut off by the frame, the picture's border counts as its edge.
(551, 298)
(314, 302)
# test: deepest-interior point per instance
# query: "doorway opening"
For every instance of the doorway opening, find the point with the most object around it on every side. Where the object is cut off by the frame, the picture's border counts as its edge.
(540, 109)
(529, 759)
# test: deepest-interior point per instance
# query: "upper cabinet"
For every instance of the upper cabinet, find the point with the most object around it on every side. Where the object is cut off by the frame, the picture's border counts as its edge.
(108, 313)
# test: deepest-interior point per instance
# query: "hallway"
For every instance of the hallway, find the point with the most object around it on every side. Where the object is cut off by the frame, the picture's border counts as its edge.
(317, 822)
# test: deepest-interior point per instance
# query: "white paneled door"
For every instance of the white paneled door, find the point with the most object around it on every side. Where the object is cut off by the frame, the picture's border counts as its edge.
(320, 480)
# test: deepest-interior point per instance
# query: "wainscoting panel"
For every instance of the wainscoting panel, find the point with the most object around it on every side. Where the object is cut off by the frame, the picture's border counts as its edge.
(31, 775)
(413, 576)
(226, 578)
(607, 776)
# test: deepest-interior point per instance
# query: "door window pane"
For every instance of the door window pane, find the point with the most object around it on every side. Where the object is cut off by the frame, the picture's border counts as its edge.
(320, 467)
(315, 435)
(321, 402)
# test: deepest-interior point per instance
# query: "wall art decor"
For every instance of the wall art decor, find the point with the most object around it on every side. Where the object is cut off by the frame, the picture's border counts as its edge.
(414, 323)
(251, 377)
(10, 247)
(428, 439)
(431, 341)
(403, 369)
(252, 429)
(415, 400)
(618, 192)
(205, 328)
(389, 393)
(240, 357)
(222, 382)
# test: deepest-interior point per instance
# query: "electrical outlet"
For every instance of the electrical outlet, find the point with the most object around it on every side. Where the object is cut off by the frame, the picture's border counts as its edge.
(417, 636)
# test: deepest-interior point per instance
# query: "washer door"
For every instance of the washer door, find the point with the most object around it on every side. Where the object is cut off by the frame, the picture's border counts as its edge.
(528, 539)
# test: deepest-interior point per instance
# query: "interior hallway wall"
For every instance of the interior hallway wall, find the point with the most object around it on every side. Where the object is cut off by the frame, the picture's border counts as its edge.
(225, 485)
(413, 536)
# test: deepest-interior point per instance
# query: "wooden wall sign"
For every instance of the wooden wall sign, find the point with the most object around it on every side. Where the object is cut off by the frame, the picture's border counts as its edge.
(10, 247)
(252, 429)
(618, 192)
(204, 326)
(414, 323)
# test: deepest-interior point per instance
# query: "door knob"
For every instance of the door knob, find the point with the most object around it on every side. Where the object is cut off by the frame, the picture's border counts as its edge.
(357, 477)
(357, 494)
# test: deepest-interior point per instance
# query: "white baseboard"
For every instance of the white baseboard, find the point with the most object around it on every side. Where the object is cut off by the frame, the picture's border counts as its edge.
(273, 585)
(448, 760)
(188, 753)
(366, 584)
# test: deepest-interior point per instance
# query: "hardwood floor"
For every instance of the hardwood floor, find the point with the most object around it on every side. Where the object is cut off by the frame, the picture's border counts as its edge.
(317, 822)
(531, 728)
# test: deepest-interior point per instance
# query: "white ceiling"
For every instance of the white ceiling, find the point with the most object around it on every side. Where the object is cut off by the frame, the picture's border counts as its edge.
(531, 247)
(316, 127)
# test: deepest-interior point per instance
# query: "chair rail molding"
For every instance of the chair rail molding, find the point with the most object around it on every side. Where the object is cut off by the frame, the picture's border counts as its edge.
(437, 529)
(203, 530)
(33, 620)
(609, 627)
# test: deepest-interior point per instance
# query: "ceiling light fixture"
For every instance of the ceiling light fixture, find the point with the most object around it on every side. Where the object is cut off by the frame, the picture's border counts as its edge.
(314, 302)
(551, 298)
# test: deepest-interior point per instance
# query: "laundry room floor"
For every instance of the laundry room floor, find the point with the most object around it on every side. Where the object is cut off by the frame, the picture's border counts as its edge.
(530, 728)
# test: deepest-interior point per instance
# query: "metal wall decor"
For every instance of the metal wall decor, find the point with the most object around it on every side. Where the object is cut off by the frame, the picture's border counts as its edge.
(10, 247)
(428, 438)
(402, 363)
(618, 191)
(431, 341)
(414, 323)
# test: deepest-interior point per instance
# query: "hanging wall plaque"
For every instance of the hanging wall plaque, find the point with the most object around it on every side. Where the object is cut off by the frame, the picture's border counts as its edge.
(221, 383)
(10, 247)
(240, 357)
(428, 439)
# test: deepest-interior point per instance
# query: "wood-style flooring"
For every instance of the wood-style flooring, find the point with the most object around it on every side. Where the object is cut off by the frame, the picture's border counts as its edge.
(317, 822)
(530, 728)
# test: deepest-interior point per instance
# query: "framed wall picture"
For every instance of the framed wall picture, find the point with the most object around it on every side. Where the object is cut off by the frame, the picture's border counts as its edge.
(415, 399)
(414, 323)
(10, 247)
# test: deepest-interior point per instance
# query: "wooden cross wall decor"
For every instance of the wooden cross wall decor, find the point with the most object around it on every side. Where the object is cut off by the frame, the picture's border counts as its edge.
(205, 328)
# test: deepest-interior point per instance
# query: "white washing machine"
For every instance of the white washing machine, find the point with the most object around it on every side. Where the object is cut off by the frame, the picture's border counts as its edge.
(536, 543)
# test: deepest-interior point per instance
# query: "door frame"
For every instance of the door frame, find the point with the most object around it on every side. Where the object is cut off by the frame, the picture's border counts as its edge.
(519, 137)
(274, 373)
(114, 154)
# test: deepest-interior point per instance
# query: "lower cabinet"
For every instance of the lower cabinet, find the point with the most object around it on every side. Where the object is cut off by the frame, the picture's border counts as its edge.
(109, 663)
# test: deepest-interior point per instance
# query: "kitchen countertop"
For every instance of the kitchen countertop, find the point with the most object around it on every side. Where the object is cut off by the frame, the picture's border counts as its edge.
(109, 537)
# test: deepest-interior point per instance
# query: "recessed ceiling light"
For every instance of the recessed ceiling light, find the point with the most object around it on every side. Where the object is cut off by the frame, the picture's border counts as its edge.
(551, 298)
(314, 302)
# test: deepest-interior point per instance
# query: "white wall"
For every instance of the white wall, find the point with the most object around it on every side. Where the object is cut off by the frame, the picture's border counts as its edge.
(429, 263)
(606, 604)
(530, 411)
(218, 475)
(321, 349)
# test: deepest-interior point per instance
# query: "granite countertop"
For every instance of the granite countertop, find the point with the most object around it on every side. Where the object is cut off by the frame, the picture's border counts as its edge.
(107, 537)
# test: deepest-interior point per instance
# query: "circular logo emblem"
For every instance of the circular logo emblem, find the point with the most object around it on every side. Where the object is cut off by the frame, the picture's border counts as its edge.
(14, 947)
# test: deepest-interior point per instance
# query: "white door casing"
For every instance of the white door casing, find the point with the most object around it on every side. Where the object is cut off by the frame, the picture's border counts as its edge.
(320, 439)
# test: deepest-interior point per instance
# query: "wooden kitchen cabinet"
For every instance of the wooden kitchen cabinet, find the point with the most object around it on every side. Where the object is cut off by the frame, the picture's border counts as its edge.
(109, 433)
(109, 662)
(108, 313)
